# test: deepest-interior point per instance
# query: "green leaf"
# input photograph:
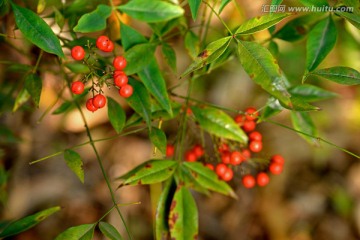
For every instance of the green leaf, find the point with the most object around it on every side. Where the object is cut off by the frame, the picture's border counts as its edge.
(63, 108)
(321, 40)
(151, 10)
(28, 222)
(302, 122)
(109, 231)
(300, 104)
(353, 18)
(256, 24)
(223, 5)
(93, 21)
(219, 123)
(116, 115)
(272, 108)
(341, 75)
(33, 85)
(194, 7)
(158, 138)
(41, 6)
(138, 57)
(311, 93)
(169, 55)
(212, 51)
(154, 82)
(208, 179)
(316, 3)
(140, 100)
(183, 217)
(76, 67)
(192, 42)
(74, 162)
(36, 30)
(130, 37)
(150, 172)
(21, 98)
(80, 232)
(59, 18)
(263, 69)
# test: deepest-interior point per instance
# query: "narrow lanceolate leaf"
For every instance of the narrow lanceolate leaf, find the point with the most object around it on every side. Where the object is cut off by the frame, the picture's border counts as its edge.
(74, 162)
(186, 176)
(219, 123)
(223, 5)
(116, 115)
(109, 231)
(21, 98)
(302, 122)
(194, 7)
(154, 82)
(36, 30)
(208, 179)
(138, 57)
(33, 85)
(341, 75)
(59, 18)
(130, 37)
(263, 69)
(353, 18)
(158, 138)
(311, 93)
(151, 10)
(192, 42)
(316, 3)
(170, 55)
(77, 67)
(212, 52)
(256, 24)
(26, 223)
(183, 217)
(150, 172)
(321, 40)
(93, 21)
(81, 232)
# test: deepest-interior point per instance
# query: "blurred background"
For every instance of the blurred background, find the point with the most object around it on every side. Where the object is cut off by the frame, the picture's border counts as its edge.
(316, 197)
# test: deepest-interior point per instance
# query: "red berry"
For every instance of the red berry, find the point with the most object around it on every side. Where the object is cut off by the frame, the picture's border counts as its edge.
(119, 63)
(109, 47)
(126, 91)
(236, 158)
(255, 146)
(188, 111)
(246, 153)
(90, 105)
(198, 150)
(248, 181)
(121, 80)
(262, 179)
(99, 101)
(276, 168)
(220, 169)
(228, 175)
(277, 158)
(78, 53)
(223, 148)
(249, 125)
(102, 42)
(170, 149)
(255, 136)
(226, 157)
(239, 119)
(210, 166)
(117, 73)
(251, 113)
(77, 87)
(190, 156)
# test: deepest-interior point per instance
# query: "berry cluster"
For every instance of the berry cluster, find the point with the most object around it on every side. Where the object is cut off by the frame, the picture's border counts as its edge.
(120, 79)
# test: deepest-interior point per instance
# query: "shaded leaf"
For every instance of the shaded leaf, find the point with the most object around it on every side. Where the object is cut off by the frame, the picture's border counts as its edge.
(130, 37)
(186, 177)
(158, 138)
(311, 93)
(169, 55)
(116, 115)
(94, 21)
(299, 103)
(223, 4)
(76, 67)
(341, 75)
(353, 18)
(194, 7)
(80, 232)
(302, 122)
(109, 231)
(21, 98)
(74, 162)
(219, 123)
(317, 3)
(138, 57)
(33, 85)
(272, 108)
(59, 18)
(192, 42)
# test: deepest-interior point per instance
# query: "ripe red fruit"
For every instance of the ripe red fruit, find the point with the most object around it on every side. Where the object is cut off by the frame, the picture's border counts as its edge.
(198, 150)
(277, 158)
(190, 156)
(239, 119)
(246, 153)
(236, 158)
(117, 73)
(251, 113)
(126, 91)
(249, 125)
(77, 87)
(210, 166)
(248, 181)
(223, 148)
(170, 149)
(119, 63)
(102, 42)
(276, 168)
(78, 53)
(255, 146)
(109, 47)
(121, 80)
(226, 157)
(228, 175)
(99, 101)
(255, 136)
(262, 179)
(220, 169)
(90, 105)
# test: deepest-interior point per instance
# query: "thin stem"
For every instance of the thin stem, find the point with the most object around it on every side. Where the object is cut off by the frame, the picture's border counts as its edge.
(38, 61)
(218, 16)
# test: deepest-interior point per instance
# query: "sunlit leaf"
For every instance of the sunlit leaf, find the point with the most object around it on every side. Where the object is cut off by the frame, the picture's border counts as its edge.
(302, 122)
(80, 232)
(74, 162)
(353, 18)
(158, 138)
(194, 7)
(21, 98)
(94, 21)
(316, 3)
(76, 67)
(341, 75)
(223, 5)
(109, 231)
(311, 93)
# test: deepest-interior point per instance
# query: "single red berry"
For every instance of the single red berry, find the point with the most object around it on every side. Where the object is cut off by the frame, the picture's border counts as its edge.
(248, 181)
(223, 148)
(262, 179)
(220, 169)
(90, 105)
(99, 101)
(251, 113)
(188, 111)
(239, 119)
(246, 153)
(102, 42)
(249, 125)
(236, 158)
(210, 166)
(190, 156)
(275, 168)
(255, 136)
(277, 158)
(170, 149)
(121, 80)
(226, 157)
(198, 150)
(228, 175)
(77, 87)
(126, 91)
(117, 73)
(255, 146)
(109, 47)
(78, 53)
(119, 63)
